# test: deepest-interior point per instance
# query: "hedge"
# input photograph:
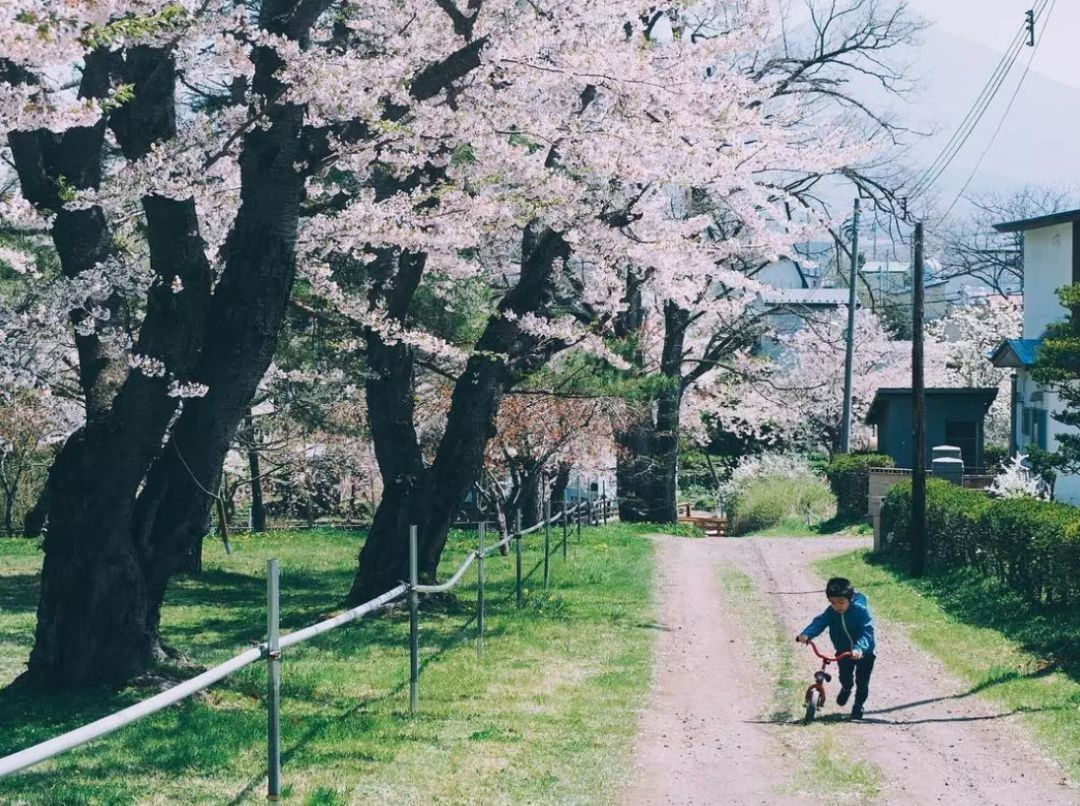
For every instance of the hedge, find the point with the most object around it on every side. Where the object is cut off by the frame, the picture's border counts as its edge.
(1033, 547)
(849, 478)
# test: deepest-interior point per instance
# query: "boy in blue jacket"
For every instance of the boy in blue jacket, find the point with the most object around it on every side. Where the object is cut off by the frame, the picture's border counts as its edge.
(851, 628)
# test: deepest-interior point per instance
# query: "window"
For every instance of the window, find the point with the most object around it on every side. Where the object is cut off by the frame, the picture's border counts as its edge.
(963, 435)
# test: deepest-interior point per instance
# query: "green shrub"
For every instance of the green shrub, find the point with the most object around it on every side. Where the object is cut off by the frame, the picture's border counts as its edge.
(1031, 546)
(849, 478)
(995, 457)
(765, 501)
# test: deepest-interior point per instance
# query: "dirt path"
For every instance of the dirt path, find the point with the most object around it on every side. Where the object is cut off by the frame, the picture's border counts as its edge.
(702, 740)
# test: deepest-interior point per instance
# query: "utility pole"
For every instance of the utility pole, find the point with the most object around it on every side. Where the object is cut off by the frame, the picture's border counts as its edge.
(849, 358)
(917, 537)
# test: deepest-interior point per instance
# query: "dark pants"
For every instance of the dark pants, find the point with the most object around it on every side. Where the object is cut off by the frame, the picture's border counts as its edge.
(856, 673)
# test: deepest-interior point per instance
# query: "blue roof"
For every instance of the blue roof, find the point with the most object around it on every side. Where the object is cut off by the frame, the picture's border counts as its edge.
(1016, 353)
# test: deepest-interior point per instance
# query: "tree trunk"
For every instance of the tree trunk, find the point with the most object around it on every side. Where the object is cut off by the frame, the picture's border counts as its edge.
(429, 497)
(633, 472)
(557, 489)
(116, 537)
(258, 509)
(530, 499)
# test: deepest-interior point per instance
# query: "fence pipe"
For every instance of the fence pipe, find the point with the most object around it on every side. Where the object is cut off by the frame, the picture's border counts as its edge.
(480, 591)
(273, 680)
(113, 722)
(547, 543)
(443, 587)
(517, 558)
(577, 513)
(319, 628)
(106, 725)
(414, 626)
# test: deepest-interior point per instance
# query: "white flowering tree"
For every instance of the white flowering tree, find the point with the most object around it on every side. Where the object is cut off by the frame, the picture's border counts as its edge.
(692, 321)
(192, 159)
(965, 337)
(798, 398)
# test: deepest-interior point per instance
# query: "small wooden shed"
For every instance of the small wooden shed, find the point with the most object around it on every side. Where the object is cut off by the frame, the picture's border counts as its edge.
(953, 417)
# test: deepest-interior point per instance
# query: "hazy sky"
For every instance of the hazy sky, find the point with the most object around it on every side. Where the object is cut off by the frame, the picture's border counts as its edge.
(994, 22)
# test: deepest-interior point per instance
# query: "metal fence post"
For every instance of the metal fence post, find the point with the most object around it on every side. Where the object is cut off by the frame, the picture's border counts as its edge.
(547, 543)
(565, 521)
(517, 555)
(414, 626)
(577, 512)
(480, 591)
(273, 680)
(604, 500)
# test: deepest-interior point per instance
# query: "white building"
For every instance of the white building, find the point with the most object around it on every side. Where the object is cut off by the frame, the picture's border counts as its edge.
(1051, 261)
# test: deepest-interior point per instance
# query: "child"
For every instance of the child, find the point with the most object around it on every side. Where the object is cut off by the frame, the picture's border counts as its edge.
(851, 628)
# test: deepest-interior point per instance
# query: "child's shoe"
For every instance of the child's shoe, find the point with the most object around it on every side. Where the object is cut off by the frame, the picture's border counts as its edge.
(842, 697)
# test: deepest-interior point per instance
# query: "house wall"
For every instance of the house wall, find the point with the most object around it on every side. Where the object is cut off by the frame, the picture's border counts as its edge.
(1047, 267)
(1030, 395)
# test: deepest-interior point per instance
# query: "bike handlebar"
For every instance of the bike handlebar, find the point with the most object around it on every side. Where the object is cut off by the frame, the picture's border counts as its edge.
(813, 646)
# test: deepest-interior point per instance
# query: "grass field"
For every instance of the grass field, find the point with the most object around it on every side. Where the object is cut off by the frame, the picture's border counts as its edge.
(1020, 657)
(546, 716)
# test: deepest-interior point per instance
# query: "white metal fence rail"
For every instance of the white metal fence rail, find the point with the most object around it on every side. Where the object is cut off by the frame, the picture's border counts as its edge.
(270, 650)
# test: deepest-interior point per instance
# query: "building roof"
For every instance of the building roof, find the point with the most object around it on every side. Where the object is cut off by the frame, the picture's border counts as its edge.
(982, 395)
(804, 296)
(1051, 220)
(1015, 353)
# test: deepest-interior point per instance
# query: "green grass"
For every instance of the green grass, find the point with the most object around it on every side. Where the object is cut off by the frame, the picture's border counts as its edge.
(825, 767)
(546, 716)
(797, 527)
(1022, 658)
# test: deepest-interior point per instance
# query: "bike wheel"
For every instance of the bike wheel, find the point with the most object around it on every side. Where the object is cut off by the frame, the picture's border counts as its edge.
(811, 710)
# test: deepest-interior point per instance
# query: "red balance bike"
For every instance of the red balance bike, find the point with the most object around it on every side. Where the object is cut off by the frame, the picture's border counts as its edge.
(815, 695)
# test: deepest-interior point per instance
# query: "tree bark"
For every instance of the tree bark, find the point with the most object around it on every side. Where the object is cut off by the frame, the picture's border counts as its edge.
(116, 537)
(429, 497)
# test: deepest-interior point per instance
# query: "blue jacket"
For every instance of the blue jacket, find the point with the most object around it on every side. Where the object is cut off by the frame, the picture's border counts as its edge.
(852, 630)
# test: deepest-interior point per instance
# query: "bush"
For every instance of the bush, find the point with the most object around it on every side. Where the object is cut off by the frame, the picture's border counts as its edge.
(1031, 546)
(995, 457)
(763, 491)
(849, 478)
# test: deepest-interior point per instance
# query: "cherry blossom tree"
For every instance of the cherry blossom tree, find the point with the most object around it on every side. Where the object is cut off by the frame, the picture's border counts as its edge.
(964, 339)
(798, 396)
(814, 73)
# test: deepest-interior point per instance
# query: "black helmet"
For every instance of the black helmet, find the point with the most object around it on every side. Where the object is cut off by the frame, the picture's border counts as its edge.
(838, 586)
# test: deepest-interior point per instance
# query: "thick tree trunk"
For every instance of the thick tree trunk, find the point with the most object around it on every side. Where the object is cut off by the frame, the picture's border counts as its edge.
(108, 553)
(530, 500)
(390, 393)
(633, 472)
(430, 497)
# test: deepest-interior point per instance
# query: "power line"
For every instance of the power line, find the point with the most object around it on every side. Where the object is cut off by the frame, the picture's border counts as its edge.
(1008, 108)
(975, 114)
(1003, 65)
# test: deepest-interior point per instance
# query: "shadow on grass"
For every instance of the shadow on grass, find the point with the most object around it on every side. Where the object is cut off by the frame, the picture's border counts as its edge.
(1049, 633)
(19, 592)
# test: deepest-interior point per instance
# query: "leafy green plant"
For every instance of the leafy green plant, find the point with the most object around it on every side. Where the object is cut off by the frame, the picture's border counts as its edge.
(849, 478)
(1030, 546)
